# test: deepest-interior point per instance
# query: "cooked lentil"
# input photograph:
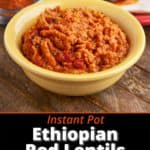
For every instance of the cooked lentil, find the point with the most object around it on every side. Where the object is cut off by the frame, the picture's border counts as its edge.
(75, 40)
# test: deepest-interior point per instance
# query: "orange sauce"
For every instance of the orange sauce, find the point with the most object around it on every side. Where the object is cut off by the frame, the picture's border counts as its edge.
(126, 2)
(14, 4)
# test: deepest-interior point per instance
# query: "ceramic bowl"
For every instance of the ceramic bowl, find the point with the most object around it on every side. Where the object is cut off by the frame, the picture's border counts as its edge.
(74, 84)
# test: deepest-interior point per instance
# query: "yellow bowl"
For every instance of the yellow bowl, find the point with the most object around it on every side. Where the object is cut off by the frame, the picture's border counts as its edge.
(73, 84)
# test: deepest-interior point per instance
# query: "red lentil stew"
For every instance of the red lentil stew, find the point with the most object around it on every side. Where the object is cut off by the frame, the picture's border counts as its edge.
(75, 40)
(14, 4)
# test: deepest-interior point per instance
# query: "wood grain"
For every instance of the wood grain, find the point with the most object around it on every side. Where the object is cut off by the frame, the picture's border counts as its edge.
(19, 94)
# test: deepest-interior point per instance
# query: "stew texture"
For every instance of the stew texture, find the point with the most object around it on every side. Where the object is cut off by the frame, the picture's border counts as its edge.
(76, 40)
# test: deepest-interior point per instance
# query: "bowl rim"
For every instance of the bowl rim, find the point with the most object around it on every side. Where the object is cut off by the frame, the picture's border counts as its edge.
(27, 65)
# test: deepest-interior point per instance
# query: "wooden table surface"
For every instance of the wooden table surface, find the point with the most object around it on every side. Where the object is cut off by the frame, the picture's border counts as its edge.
(19, 94)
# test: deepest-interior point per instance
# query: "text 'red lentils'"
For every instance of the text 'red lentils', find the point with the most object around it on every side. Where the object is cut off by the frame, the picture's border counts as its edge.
(76, 40)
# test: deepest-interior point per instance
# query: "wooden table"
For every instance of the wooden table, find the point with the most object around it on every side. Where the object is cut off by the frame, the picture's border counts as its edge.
(19, 94)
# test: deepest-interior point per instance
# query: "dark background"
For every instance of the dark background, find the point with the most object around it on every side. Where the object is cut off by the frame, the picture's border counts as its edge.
(133, 129)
